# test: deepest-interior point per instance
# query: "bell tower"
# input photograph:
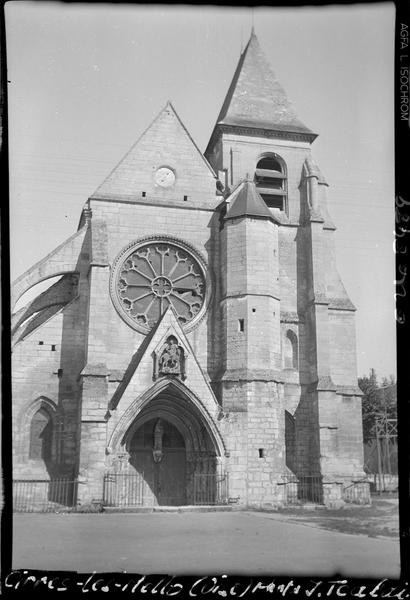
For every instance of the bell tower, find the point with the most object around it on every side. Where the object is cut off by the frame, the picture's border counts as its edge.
(258, 133)
(288, 381)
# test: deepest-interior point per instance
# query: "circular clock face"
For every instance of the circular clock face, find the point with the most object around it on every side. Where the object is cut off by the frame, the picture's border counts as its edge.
(165, 177)
(149, 277)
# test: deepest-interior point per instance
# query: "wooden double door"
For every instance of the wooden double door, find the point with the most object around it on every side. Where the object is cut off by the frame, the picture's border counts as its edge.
(158, 454)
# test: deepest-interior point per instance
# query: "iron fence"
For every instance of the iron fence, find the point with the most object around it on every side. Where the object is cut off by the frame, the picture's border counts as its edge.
(303, 489)
(211, 488)
(357, 492)
(126, 489)
(44, 495)
(383, 483)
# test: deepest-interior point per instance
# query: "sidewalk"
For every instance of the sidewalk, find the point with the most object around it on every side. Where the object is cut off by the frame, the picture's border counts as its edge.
(381, 519)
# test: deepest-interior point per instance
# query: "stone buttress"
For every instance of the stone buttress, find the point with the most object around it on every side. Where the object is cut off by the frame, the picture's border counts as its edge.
(251, 389)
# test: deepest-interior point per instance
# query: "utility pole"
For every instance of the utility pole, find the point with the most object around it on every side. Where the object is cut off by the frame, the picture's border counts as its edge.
(379, 457)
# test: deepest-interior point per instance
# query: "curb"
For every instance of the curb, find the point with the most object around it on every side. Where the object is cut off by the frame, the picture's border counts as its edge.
(166, 509)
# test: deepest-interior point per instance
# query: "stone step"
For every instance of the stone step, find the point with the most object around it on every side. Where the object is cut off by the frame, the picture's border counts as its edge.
(173, 509)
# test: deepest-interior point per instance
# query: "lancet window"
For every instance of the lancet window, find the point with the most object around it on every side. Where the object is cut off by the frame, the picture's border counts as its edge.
(41, 434)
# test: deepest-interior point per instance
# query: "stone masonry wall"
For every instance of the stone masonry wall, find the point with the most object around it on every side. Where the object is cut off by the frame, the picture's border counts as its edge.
(251, 294)
(41, 371)
(234, 428)
(35, 368)
(126, 223)
(266, 442)
(256, 441)
(341, 444)
(112, 342)
(343, 348)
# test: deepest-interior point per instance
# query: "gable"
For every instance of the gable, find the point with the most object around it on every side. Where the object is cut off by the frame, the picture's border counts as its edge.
(138, 376)
(166, 143)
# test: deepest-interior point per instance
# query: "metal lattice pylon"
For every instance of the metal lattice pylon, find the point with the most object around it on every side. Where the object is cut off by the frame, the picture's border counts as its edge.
(386, 436)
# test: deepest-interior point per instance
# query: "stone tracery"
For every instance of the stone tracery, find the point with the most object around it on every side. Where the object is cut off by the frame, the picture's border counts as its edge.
(156, 276)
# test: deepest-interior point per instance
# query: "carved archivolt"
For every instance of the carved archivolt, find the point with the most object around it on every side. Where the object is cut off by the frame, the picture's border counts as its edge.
(182, 402)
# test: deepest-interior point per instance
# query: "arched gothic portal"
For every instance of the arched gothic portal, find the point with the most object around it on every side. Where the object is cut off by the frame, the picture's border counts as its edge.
(169, 450)
(157, 453)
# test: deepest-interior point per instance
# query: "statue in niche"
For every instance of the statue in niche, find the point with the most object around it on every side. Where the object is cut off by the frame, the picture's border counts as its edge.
(171, 360)
(158, 433)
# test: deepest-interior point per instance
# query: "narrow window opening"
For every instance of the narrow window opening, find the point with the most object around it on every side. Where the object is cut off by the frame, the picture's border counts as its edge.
(41, 432)
(270, 180)
(143, 194)
(185, 198)
(290, 441)
(262, 453)
(41, 343)
(60, 372)
(241, 324)
(291, 350)
(253, 310)
(53, 347)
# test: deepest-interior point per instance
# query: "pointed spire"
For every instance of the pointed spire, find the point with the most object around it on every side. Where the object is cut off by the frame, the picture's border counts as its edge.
(256, 98)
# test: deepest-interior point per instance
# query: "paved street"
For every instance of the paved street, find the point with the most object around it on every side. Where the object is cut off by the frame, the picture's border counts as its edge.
(203, 543)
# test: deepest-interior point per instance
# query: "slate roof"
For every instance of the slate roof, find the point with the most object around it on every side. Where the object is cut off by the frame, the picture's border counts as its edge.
(256, 98)
(246, 201)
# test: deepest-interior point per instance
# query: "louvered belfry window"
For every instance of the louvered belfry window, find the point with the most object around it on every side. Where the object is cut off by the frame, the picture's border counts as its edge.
(270, 180)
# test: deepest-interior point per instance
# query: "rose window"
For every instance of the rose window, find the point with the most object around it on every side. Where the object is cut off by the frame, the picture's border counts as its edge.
(153, 276)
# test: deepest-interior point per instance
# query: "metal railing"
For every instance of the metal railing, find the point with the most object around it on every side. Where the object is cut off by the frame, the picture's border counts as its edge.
(43, 495)
(211, 488)
(303, 489)
(131, 490)
(383, 483)
(126, 489)
(356, 492)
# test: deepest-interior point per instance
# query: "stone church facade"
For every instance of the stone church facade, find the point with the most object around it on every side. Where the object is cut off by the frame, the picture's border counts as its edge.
(200, 331)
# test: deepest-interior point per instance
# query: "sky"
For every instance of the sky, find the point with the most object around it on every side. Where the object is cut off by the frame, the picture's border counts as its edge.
(85, 80)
